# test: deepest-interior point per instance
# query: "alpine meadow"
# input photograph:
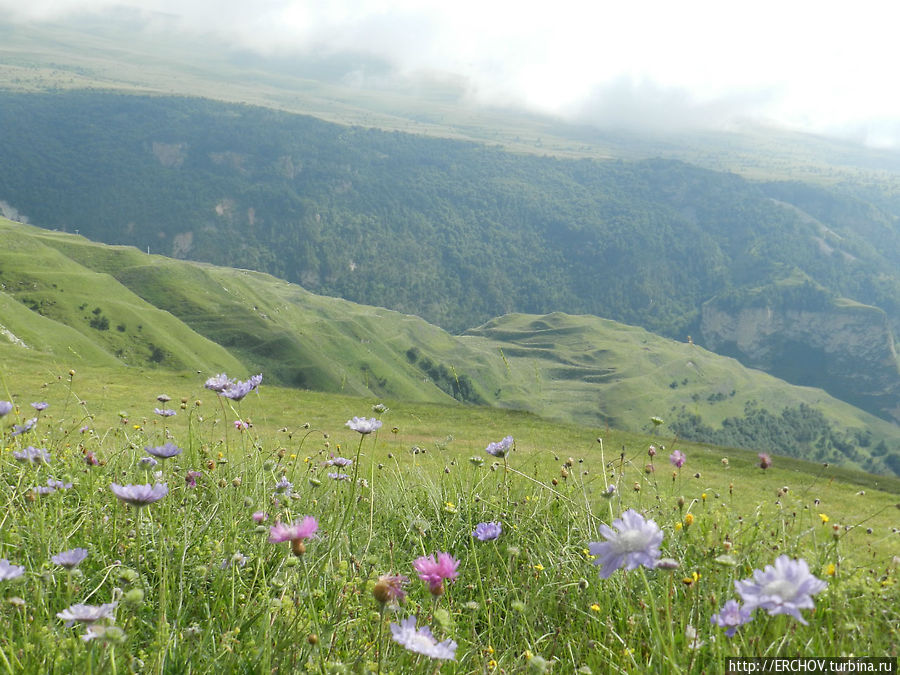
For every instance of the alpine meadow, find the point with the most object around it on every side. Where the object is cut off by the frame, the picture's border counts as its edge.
(304, 376)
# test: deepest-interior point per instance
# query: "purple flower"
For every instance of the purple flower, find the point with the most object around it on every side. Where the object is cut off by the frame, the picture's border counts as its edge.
(731, 616)
(363, 425)
(40, 405)
(284, 486)
(238, 390)
(260, 516)
(5, 408)
(70, 559)
(241, 425)
(8, 571)
(140, 495)
(296, 533)
(764, 460)
(33, 455)
(163, 398)
(339, 461)
(678, 459)
(20, 429)
(636, 543)
(421, 641)
(338, 476)
(389, 588)
(433, 570)
(148, 463)
(58, 484)
(785, 588)
(191, 478)
(164, 412)
(87, 613)
(163, 451)
(487, 531)
(500, 448)
(219, 383)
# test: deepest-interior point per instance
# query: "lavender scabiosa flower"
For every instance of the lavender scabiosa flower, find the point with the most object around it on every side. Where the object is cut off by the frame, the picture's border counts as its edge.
(389, 588)
(500, 448)
(5, 408)
(296, 533)
(783, 588)
(677, 458)
(421, 640)
(433, 570)
(19, 429)
(148, 463)
(33, 455)
(40, 406)
(732, 616)
(164, 412)
(238, 390)
(764, 460)
(218, 383)
(636, 543)
(8, 571)
(70, 559)
(363, 426)
(88, 614)
(487, 531)
(140, 495)
(339, 461)
(163, 451)
(163, 398)
(58, 484)
(334, 475)
(284, 486)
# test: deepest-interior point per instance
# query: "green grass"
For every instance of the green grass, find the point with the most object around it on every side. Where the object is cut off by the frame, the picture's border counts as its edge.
(533, 591)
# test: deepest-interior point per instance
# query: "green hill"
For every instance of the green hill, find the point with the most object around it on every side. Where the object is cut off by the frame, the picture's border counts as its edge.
(183, 316)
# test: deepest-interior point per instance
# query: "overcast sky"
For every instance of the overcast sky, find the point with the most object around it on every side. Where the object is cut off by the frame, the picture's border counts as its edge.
(818, 65)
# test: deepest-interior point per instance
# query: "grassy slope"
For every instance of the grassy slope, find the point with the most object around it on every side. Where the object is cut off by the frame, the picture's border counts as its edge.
(569, 368)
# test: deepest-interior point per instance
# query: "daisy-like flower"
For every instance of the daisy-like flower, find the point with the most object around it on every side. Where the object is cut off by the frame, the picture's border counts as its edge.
(487, 531)
(363, 425)
(5, 408)
(677, 458)
(421, 641)
(164, 412)
(389, 588)
(500, 448)
(433, 570)
(8, 571)
(88, 614)
(140, 495)
(19, 429)
(33, 455)
(218, 383)
(70, 559)
(295, 533)
(163, 451)
(732, 616)
(339, 461)
(40, 405)
(636, 543)
(785, 588)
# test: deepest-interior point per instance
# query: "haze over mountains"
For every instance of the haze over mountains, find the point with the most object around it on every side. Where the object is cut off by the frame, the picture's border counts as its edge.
(791, 268)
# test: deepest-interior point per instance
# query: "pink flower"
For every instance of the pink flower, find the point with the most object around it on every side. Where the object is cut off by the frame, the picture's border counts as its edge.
(677, 458)
(240, 425)
(260, 516)
(433, 571)
(295, 533)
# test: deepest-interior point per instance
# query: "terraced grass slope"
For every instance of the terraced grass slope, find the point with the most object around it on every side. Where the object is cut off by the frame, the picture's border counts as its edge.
(71, 301)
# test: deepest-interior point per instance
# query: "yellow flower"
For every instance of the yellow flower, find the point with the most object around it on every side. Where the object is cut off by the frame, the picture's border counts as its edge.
(528, 654)
(824, 518)
(678, 526)
(293, 456)
(689, 519)
(450, 507)
(306, 460)
(137, 427)
(830, 569)
(595, 607)
(703, 496)
(538, 567)
(489, 650)
(492, 664)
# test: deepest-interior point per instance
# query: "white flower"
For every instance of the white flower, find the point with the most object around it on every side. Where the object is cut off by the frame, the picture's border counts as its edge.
(421, 641)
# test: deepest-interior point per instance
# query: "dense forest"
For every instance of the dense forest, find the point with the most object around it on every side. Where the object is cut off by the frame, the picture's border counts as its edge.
(452, 231)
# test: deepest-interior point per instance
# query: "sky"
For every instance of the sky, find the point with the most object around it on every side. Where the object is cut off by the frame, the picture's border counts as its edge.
(819, 66)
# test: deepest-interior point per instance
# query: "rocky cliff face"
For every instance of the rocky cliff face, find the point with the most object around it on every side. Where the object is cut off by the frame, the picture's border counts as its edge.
(845, 348)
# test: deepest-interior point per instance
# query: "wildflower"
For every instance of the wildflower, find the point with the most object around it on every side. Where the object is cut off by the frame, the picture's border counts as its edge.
(785, 588)
(241, 425)
(339, 461)
(764, 460)
(731, 616)
(651, 451)
(219, 383)
(677, 458)
(487, 531)
(284, 486)
(380, 408)
(238, 390)
(164, 412)
(433, 571)
(636, 543)
(334, 475)
(260, 516)
(5, 408)
(295, 533)
(163, 451)
(32, 455)
(609, 492)
(656, 420)
(694, 641)
(140, 495)
(667, 564)
(88, 614)
(595, 607)
(500, 448)
(163, 398)
(19, 429)
(421, 641)
(363, 425)
(389, 587)
(830, 569)
(70, 559)
(824, 518)
(148, 463)
(688, 519)
(106, 633)
(238, 559)
(58, 484)
(40, 406)
(8, 571)
(91, 459)
(191, 478)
